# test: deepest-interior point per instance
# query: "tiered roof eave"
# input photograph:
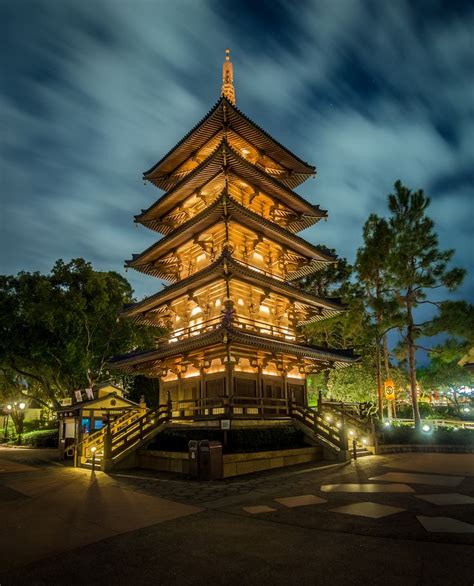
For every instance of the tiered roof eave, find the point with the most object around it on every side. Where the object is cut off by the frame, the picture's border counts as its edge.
(225, 156)
(221, 114)
(209, 216)
(227, 267)
(227, 334)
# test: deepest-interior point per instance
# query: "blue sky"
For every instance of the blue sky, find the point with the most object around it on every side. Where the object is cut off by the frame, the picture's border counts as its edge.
(95, 92)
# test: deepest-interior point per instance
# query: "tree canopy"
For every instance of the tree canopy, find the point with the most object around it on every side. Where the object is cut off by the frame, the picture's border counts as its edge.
(397, 269)
(58, 330)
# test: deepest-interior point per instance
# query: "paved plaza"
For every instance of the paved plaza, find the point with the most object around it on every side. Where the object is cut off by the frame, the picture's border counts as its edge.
(379, 520)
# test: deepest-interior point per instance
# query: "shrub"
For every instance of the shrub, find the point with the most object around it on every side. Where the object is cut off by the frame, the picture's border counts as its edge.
(31, 425)
(449, 436)
(43, 438)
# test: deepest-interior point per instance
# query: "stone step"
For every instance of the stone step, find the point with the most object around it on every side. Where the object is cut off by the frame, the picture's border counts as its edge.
(361, 452)
(88, 463)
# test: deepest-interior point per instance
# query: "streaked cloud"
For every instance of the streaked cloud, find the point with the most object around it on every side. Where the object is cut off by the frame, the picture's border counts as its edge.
(96, 92)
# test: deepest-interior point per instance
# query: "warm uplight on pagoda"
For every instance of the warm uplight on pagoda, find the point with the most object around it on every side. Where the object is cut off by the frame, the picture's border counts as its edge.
(231, 315)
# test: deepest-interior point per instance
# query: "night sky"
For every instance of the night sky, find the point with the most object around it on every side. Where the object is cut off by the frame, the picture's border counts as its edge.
(95, 92)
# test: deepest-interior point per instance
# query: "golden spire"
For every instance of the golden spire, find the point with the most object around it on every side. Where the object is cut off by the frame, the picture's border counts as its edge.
(228, 79)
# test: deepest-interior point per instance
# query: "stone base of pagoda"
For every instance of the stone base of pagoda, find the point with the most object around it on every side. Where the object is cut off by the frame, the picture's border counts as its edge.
(233, 464)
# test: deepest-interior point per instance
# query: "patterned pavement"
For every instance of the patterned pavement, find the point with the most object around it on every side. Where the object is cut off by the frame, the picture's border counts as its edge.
(414, 528)
(334, 497)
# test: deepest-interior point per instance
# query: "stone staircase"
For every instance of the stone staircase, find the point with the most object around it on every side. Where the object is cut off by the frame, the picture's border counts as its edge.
(361, 451)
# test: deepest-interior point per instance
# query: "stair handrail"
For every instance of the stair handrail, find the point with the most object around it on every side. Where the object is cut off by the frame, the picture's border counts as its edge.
(150, 420)
(362, 425)
(329, 434)
(97, 438)
(150, 414)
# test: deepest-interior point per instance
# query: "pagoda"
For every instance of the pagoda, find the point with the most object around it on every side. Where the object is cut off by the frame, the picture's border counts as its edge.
(233, 311)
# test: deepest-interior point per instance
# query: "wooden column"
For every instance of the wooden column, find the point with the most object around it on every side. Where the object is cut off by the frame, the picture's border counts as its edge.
(229, 378)
(179, 388)
(202, 383)
(260, 388)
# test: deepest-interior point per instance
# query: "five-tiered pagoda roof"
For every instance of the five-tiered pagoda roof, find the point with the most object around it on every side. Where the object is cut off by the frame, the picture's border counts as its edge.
(229, 218)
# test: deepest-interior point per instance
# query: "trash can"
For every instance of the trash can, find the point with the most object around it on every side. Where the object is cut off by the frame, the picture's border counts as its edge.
(193, 447)
(211, 463)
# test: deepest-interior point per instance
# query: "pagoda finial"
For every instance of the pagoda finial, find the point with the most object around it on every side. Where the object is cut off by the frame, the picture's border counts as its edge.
(228, 90)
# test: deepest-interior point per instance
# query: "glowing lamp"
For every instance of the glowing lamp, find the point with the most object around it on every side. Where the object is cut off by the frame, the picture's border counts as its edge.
(426, 428)
(22, 405)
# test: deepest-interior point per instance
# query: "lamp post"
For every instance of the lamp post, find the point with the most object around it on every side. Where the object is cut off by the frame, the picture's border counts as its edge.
(93, 450)
(16, 411)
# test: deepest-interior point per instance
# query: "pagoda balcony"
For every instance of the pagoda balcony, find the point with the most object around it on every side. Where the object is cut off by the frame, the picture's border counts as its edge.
(233, 406)
(238, 321)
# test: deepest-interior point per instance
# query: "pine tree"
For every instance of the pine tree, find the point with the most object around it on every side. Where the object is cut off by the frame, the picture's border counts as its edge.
(372, 271)
(417, 267)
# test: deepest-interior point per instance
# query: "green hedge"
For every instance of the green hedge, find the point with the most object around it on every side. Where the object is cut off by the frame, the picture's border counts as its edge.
(43, 438)
(448, 436)
(238, 440)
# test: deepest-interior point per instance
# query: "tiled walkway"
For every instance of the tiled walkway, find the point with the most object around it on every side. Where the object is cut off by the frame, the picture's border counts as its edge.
(374, 510)
(402, 491)
(49, 510)
(280, 527)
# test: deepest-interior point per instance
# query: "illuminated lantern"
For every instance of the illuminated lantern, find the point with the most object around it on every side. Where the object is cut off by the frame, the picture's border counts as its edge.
(389, 387)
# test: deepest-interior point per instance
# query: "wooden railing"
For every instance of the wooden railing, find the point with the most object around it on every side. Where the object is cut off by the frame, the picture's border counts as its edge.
(134, 428)
(459, 423)
(233, 406)
(265, 406)
(327, 432)
(242, 322)
(265, 328)
(359, 425)
(281, 277)
(188, 332)
(82, 450)
(137, 431)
